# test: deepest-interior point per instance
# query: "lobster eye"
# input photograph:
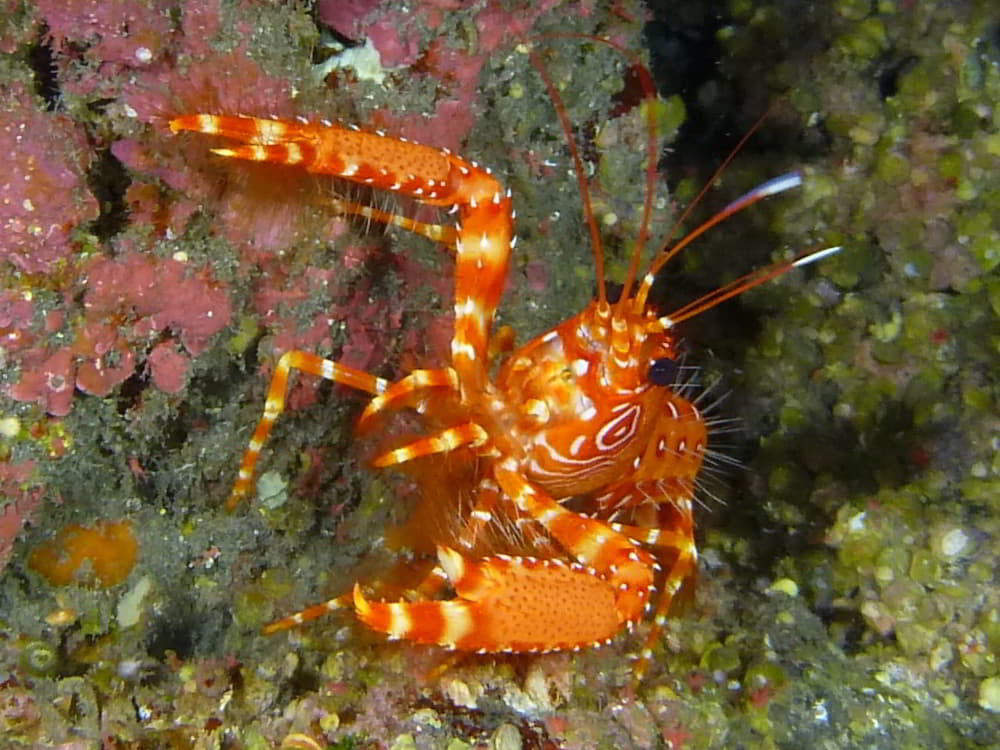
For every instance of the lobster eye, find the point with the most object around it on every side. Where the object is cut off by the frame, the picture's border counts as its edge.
(663, 371)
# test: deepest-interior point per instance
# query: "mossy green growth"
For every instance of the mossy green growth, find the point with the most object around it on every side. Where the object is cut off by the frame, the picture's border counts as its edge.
(246, 330)
(721, 657)
(853, 10)
(845, 269)
(914, 639)
(866, 129)
(349, 742)
(669, 115)
(272, 490)
(992, 142)
(39, 658)
(253, 740)
(255, 605)
(893, 168)
(888, 330)
(867, 39)
(915, 90)
(765, 675)
(985, 248)
(891, 564)
(924, 568)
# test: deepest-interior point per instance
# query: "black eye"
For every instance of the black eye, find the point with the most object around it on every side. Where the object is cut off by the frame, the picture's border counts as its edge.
(663, 371)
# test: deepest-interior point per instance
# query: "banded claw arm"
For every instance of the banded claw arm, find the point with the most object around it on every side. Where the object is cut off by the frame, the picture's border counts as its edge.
(503, 604)
(484, 234)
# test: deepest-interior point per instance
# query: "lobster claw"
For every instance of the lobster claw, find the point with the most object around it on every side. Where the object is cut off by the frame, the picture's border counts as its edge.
(503, 604)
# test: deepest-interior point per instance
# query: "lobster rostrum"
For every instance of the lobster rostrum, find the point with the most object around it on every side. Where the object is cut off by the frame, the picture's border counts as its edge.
(586, 410)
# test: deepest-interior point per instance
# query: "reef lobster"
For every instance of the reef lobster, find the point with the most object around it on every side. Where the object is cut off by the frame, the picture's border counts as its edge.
(586, 413)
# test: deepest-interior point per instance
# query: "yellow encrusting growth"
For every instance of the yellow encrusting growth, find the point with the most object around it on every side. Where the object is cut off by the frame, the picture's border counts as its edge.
(100, 555)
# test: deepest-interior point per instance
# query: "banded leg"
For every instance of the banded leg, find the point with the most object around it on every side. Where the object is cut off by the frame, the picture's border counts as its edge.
(275, 404)
(487, 496)
(525, 604)
(312, 612)
(430, 586)
(667, 538)
(628, 495)
(502, 340)
(670, 529)
(418, 384)
(470, 434)
(491, 506)
(436, 232)
(675, 516)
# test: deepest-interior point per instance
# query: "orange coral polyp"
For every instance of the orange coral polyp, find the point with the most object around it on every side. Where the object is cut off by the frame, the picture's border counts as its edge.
(101, 555)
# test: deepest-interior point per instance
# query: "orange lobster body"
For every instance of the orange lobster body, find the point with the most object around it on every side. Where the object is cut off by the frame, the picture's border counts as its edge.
(585, 422)
(576, 413)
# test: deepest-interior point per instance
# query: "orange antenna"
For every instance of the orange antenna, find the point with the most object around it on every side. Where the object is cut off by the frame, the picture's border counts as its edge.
(646, 81)
(588, 210)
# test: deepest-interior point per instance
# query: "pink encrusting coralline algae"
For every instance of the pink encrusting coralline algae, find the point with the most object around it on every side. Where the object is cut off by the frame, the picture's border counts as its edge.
(394, 32)
(129, 305)
(23, 502)
(109, 313)
(43, 189)
(154, 295)
(98, 42)
(47, 379)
